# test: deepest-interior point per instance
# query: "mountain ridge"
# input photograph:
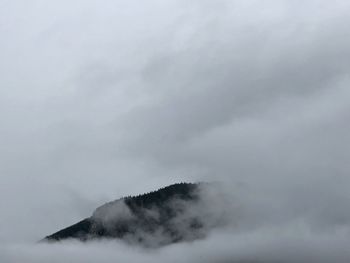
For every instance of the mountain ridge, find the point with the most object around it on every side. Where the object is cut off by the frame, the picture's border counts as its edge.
(155, 218)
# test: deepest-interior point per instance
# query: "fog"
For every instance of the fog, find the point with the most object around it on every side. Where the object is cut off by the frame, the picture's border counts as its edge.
(104, 99)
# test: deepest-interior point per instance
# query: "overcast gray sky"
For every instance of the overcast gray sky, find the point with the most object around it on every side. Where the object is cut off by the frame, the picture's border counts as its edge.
(100, 99)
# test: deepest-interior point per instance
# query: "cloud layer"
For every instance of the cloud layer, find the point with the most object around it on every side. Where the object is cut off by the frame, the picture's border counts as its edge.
(104, 99)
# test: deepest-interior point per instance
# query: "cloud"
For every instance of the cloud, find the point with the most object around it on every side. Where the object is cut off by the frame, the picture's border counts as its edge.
(101, 100)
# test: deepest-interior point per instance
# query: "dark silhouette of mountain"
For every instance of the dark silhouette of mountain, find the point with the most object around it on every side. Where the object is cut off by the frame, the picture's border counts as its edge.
(154, 219)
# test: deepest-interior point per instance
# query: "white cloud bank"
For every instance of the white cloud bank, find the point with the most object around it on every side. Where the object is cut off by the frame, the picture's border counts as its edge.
(100, 99)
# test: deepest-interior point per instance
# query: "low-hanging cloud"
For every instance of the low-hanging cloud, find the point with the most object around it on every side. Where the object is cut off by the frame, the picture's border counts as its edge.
(102, 100)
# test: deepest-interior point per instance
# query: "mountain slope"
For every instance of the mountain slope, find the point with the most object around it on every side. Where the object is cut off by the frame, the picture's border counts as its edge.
(170, 214)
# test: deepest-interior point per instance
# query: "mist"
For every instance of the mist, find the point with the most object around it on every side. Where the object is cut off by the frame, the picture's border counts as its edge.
(104, 99)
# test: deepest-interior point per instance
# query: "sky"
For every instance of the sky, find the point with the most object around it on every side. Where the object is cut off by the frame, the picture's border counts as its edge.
(101, 99)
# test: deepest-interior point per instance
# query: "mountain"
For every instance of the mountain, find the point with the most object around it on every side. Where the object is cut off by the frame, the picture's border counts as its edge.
(171, 214)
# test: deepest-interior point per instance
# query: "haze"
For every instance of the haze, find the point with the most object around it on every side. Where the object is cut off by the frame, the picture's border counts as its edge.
(101, 99)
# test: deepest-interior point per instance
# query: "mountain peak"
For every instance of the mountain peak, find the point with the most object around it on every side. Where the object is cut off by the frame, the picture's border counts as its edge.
(152, 219)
